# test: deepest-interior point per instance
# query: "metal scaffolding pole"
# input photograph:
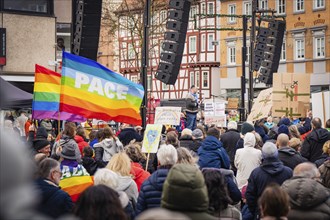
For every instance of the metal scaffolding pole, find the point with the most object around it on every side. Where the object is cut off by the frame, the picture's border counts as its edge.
(252, 41)
(144, 61)
(243, 77)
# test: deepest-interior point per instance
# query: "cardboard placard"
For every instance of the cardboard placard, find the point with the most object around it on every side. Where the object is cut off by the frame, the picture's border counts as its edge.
(151, 138)
(168, 115)
(232, 103)
(321, 106)
(291, 94)
(292, 109)
(262, 105)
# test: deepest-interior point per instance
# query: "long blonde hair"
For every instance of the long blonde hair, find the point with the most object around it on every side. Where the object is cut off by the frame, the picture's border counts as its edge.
(120, 163)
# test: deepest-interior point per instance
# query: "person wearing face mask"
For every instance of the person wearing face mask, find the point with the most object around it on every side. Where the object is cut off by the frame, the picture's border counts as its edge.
(54, 202)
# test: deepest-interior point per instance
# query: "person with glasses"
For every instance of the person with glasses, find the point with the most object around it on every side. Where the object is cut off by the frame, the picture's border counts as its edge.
(53, 201)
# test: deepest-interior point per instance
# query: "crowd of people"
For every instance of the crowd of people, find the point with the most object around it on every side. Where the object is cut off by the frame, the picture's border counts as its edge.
(270, 169)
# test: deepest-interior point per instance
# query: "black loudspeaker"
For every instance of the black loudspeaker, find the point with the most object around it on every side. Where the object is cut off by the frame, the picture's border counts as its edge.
(86, 26)
(272, 51)
(174, 41)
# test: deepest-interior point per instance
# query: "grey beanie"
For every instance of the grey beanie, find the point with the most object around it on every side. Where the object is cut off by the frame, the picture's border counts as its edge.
(68, 151)
(269, 150)
(197, 133)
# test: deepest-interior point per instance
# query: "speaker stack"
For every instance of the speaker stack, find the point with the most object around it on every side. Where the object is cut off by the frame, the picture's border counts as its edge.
(86, 27)
(174, 41)
(267, 52)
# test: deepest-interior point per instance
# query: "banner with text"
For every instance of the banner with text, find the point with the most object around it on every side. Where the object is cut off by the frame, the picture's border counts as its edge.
(214, 113)
(168, 115)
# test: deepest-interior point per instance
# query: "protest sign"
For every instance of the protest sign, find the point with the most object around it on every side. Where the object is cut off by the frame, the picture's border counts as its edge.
(151, 138)
(168, 115)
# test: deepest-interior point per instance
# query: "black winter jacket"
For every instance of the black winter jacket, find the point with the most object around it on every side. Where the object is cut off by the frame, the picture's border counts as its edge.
(290, 157)
(229, 140)
(312, 146)
(54, 201)
(151, 190)
(271, 170)
(90, 165)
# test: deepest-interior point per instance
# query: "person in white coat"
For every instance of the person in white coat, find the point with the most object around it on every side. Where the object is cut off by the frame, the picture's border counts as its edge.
(246, 159)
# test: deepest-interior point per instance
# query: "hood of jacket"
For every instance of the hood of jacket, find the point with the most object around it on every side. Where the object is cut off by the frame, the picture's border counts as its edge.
(124, 182)
(106, 143)
(288, 150)
(249, 140)
(78, 139)
(211, 143)
(319, 135)
(185, 189)
(305, 193)
(123, 198)
(272, 166)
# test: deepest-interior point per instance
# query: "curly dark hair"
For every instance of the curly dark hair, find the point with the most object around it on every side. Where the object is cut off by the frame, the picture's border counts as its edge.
(134, 153)
(217, 189)
(99, 202)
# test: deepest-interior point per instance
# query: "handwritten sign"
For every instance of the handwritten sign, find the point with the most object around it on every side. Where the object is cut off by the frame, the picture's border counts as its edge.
(262, 105)
(168, 115)
(151, 138)
(215, 113)
(232, 103)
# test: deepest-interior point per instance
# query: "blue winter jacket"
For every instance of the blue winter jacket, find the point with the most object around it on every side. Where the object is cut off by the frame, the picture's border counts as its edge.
(271, 170)
(212, 154)
(151, 190)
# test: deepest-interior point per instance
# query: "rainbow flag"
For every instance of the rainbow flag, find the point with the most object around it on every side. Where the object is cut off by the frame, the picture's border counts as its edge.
(46, 96)
(93, 91)
(74, 179)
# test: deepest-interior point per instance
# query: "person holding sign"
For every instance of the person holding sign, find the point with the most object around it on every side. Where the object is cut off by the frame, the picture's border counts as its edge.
(192, 108)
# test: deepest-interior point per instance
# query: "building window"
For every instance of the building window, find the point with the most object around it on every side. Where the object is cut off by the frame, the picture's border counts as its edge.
(197, 80)
(203, 43)
(163, 16)
(210, 40)
(149, 82)
(192, 79)
(247, 8)
(232, 11)
(134, 79)
(283, 52)
(193, 12)
(164, 86)
(192, 44)
(263, 4)
(280, 6)
(248, 52)
(300, 49)
(131, 52)
(299, 5)
(319, 4)
(205, 80)
(231, 55)
(319, 47)
(210, 8)
(34, 7)
(203, 8)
